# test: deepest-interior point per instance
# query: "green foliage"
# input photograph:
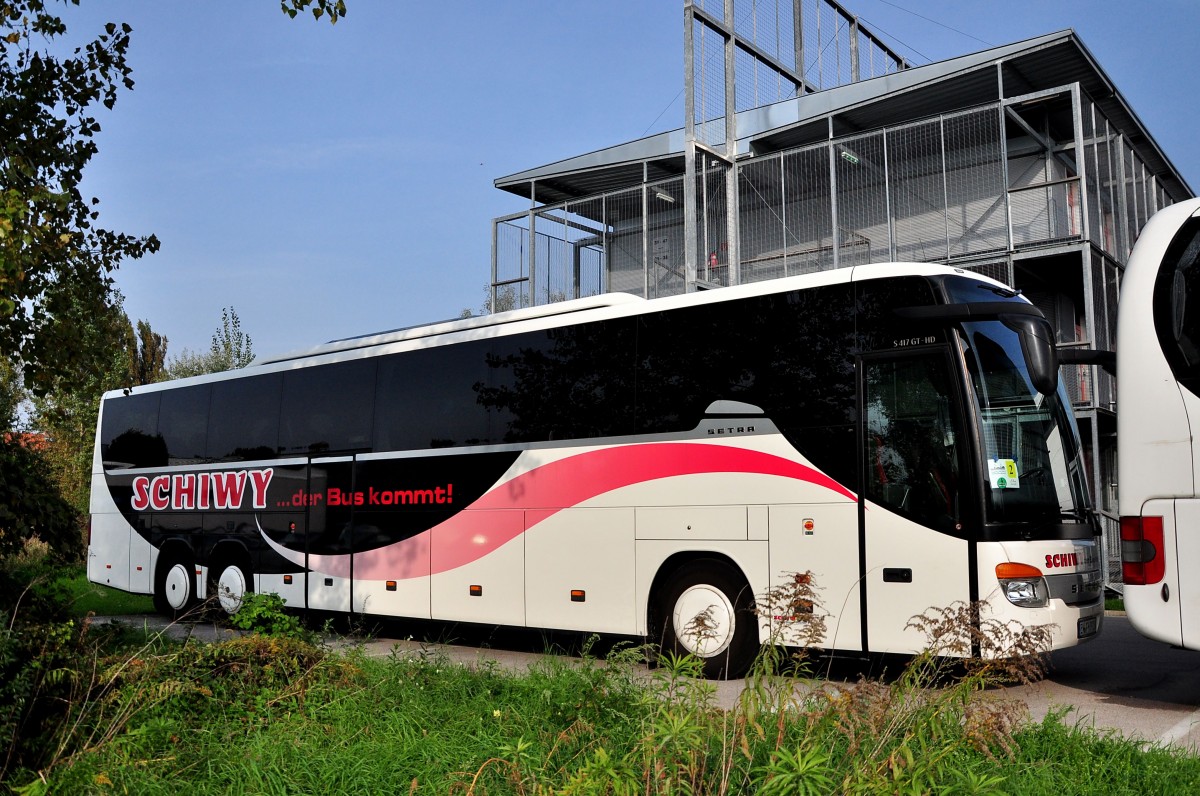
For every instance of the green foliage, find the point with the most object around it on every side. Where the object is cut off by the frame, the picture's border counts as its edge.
(66, 415)
(248, 715)
(251, 711)
(31, 506)
(12, 395)
(264, 613)
(230, 348)
(796, 772)
(44, 659)
(84, 597)
(54, 257)
(333, 10)
(149, 356)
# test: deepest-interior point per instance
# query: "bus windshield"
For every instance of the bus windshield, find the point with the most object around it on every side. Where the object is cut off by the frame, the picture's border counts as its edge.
(1031, 455)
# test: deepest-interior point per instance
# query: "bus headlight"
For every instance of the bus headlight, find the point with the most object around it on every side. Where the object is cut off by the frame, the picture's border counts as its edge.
(1023, 585)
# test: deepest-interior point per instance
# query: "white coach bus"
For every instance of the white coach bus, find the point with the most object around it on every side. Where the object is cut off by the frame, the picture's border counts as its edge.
(618, 465)
(1158, 373)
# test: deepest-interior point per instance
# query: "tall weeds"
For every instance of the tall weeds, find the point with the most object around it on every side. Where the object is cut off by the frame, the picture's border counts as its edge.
(282, 715)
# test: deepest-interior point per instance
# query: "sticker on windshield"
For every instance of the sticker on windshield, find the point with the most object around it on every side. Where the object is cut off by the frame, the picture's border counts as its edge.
(1003, 473)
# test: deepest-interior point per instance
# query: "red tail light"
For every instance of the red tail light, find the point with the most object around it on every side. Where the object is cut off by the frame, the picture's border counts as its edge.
(1142, 560)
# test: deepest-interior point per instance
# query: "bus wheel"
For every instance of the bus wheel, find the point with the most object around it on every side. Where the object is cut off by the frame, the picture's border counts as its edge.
(706, 610)
(174, 584)
(233, 583)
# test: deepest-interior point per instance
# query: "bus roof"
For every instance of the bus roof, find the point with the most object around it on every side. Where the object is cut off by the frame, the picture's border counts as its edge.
(458, 325)
(620, 303)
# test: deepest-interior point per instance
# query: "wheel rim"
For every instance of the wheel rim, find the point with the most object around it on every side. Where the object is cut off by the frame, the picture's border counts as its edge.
(231, 589)
(178, 587)
(704, 620)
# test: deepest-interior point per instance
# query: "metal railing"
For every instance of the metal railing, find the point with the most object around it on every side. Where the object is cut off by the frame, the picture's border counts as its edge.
(931, 191)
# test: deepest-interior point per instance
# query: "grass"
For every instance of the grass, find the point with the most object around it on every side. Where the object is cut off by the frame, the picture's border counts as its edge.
(282, 714)
(260, 715)
(85, 597)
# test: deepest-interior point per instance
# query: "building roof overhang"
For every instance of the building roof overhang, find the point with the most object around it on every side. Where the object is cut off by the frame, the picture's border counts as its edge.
(1037, 64)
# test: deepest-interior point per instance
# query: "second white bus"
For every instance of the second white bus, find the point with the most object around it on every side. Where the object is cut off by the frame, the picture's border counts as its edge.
(1158, 460)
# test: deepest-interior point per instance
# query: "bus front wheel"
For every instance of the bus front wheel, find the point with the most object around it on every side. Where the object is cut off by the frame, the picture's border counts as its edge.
(174, 584)
(706, 610)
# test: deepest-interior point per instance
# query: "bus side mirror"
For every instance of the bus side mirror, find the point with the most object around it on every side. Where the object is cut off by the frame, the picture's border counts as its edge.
(1038, 348)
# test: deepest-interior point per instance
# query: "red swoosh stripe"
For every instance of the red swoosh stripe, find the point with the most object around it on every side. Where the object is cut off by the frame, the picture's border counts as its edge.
(468, 535)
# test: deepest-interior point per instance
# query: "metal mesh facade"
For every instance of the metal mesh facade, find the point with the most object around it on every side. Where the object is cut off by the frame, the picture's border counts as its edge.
(930, 191)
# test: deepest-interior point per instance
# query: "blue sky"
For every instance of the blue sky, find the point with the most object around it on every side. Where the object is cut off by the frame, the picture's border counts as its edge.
(331, 181)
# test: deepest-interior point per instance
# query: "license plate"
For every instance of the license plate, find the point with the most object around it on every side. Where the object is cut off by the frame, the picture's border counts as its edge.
(1089, 626)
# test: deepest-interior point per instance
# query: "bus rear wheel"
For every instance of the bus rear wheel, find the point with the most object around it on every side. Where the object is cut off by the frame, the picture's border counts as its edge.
(174, 584)
(232, 584)
(706, 610)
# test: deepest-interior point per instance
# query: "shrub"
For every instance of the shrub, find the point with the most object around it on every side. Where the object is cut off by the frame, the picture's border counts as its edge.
(264, 613)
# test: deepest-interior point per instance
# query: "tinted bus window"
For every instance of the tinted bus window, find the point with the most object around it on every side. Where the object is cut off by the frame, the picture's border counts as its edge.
(244, 420)
(328, 408)
(129, 432)
(574, 382)
(790, 355)
(1177, 306)
(184, 424)
(428, 398)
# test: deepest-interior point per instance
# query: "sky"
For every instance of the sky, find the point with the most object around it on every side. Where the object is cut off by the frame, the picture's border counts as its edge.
(328, 181)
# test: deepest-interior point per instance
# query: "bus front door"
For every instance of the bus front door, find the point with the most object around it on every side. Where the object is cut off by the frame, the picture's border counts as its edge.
(915, 554)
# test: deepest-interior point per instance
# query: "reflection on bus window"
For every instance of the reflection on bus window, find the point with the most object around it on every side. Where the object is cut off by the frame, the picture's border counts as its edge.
(1028, 473)
(912, 454)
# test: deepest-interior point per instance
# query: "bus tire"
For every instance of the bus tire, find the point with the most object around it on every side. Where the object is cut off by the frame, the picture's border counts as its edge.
(706, 609)
(232, 581)
(174, 583)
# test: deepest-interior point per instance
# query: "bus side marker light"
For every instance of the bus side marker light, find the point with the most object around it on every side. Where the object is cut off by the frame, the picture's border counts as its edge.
(287, 580)
(578, 595)
(476, 590)
(1141, 539)
(391, 585)
(1022, 584)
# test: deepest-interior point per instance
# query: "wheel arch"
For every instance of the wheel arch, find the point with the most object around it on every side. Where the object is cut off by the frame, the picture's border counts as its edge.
(175, 547)
(230, 551)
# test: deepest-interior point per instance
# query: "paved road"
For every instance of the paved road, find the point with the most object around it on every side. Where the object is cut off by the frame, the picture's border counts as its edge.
(1119, 681)
(1125, 682)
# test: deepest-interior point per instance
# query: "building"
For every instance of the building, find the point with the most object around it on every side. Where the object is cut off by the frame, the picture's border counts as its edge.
(1022, 162)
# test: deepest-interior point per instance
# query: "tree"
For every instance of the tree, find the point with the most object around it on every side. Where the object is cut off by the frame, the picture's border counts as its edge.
(66, 416)
(12, 396)
(52, 251)
(50, 239)
(62, 328)
(148, 355)
(231, 348)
